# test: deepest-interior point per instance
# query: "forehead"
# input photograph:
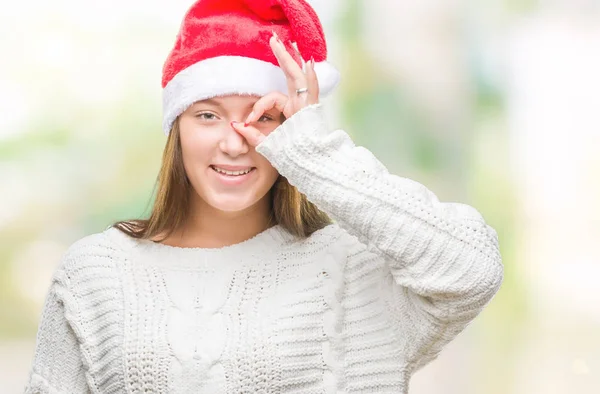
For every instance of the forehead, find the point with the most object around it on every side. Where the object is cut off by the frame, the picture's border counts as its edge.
(230, 101)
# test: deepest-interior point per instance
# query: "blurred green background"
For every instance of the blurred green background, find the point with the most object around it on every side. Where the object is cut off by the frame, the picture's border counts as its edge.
(490, 103)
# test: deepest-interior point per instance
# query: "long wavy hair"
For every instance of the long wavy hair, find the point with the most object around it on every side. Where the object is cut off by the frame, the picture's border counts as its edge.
(289, 208)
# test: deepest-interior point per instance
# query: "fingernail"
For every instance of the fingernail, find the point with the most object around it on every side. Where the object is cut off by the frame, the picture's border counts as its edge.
(277, 37)
(246, 124)
(250, 116)
(232, 123)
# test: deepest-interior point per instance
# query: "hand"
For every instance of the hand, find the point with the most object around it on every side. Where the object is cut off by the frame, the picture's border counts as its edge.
(288, 105)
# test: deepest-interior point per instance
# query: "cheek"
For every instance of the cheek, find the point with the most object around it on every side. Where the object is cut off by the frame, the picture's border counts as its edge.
(270, 173)
(196, 155)
(196, 147)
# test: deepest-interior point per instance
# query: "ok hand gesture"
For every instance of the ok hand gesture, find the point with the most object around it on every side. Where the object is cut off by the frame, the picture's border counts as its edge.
(303, 90)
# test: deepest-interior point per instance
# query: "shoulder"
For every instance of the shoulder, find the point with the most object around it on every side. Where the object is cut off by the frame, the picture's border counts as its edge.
(328, 235)
(89, 256)
(92, 246)
(89, 285)
(334, 237)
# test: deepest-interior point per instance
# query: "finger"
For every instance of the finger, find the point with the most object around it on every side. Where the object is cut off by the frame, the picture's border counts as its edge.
(295, 77)
(300, 58)
(313, 82)
(271, 100)
(251, 134)
(291, 69)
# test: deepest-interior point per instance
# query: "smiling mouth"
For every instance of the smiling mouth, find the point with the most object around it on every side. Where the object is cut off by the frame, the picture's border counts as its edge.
(232, 174)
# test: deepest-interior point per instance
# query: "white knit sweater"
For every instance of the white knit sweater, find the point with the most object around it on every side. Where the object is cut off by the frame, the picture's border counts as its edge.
(355, 308)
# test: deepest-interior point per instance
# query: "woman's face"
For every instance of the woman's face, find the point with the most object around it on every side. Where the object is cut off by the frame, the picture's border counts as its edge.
(210, 145)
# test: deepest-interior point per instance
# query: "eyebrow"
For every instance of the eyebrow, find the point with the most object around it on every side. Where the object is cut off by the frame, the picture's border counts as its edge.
(209, 101)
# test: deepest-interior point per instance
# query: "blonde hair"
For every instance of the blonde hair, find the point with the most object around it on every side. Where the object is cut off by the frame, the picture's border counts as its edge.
(289, 208)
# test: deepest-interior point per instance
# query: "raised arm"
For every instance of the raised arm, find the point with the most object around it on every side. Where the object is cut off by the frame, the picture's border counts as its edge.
(443, 257)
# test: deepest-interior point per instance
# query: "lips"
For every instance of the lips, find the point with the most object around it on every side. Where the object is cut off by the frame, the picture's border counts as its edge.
(228, 167)
(225, 170)
(232, 180)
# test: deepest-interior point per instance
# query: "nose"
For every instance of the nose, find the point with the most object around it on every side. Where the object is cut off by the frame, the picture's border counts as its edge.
(233, 143)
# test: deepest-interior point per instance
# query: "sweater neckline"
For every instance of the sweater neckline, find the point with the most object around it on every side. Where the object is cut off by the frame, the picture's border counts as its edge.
(267, 240)
(275, 233)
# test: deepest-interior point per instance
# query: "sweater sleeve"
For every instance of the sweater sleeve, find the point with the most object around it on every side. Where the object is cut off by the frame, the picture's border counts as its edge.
(443, 258)
(57, 365)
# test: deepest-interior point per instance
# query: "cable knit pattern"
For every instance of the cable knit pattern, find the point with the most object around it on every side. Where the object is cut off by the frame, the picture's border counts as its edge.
(357, 307)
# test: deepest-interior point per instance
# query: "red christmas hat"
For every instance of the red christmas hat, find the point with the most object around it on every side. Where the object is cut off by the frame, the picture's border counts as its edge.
(223, 48)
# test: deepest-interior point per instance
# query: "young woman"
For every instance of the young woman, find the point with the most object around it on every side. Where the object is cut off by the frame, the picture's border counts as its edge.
(279, 257)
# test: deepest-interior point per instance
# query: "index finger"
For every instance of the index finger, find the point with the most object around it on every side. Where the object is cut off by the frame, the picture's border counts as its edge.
(265, 103)
(287, 63)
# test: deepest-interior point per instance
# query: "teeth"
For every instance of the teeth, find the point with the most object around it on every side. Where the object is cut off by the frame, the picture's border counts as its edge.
(222, 171)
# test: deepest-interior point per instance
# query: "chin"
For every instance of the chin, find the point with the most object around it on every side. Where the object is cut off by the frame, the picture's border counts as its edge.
(233, 204)
(232, 208)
